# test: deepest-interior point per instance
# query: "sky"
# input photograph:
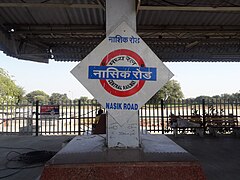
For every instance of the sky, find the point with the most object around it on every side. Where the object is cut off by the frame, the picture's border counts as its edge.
(196, 79)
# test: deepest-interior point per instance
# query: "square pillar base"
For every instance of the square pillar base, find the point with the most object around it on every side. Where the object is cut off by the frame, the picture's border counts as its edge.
(86, 157)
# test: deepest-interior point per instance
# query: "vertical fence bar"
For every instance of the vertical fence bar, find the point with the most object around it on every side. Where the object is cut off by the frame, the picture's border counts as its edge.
(228, 106)
(220, 103)
(63, 115)
(149, 116)
(37, 107)
(224, 108)
(203, 114)
(31, 115)
(217, 106)
(191, 106)
(174, 107)
(59, 105)
(141, 120)
(11, 111)
(153, 115)
(22, 112)
(19, 118)
(7, 119)
(79, 117)
(66, 120)
(70, 116)
(15, 115)
(87, 115)
(178, 107)
(183, 108)
(162, 115)
(29, 125)
(186, 103)
(167, 115)
(145, 115)
(94, 108)
(2, 117)
(40, 119)
(84, 119)
(171, 112)
(49, 120)
(74, 117)
(158, 122)
(199, 107)
(236, 105)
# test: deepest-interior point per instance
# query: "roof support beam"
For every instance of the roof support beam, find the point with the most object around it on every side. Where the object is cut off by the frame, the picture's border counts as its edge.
(99, 30)
(50, 5)
(188, 8)
(100, 6)
(138, 4)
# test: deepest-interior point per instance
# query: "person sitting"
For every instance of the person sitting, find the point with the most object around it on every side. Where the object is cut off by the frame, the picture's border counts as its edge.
(100, 111)
(99, 126)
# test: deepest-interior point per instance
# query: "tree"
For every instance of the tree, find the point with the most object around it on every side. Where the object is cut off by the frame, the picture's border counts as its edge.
(9, 91)
(200, 98)
(41, 96)
(20, 94)
(216, 97)
(83, 99)
(236, 95)
(170, 91)
(226, 96)
(56, 97)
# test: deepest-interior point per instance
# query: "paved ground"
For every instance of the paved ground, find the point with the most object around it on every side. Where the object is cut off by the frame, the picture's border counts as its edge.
(220, 156)
(15, 143)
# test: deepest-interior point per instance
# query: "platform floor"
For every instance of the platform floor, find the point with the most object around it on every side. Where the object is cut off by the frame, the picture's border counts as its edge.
(219, 156)
(16, 143)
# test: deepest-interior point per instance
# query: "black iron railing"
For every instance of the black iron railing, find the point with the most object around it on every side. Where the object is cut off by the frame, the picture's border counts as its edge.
(77, 117)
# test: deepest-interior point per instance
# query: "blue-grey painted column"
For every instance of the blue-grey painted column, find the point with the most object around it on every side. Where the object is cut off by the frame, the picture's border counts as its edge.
(125, 135)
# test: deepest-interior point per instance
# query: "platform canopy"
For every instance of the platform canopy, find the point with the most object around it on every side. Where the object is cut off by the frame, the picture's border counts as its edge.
(67, 30)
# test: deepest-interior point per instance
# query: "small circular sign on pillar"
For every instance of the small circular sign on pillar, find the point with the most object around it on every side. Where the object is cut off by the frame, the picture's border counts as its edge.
(121, 82)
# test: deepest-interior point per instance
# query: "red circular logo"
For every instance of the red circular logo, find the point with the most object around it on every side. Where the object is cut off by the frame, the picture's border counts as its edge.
(122, 88)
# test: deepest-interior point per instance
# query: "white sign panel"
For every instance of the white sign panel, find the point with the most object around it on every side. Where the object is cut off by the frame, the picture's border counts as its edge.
(122, 73)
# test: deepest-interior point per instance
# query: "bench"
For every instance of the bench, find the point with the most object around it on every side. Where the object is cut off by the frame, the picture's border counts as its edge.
(178, 122)
(222, 124)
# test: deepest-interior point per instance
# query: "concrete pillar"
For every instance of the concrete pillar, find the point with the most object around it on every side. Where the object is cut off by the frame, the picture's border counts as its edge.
(123, 136)
(118, 11)
(127, 134)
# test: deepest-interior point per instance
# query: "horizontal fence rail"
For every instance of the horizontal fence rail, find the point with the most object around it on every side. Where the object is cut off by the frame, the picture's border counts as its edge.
(77, 117)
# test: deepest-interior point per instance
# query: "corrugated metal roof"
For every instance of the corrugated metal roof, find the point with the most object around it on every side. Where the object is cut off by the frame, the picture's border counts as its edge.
(69, 33)
(51, 16)
(66, 16)
(188, 18)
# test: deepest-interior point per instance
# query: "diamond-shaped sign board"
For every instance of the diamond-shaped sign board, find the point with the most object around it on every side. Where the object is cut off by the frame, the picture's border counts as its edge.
(122, 73)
